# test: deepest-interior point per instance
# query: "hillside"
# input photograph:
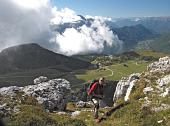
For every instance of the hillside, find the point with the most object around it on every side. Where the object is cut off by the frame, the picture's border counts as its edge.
(159, 44)
(130, 35)
(33, 56)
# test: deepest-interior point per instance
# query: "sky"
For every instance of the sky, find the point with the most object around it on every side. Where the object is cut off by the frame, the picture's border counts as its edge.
(117, 8)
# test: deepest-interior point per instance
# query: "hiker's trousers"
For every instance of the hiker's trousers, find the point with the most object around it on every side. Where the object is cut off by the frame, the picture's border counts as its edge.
(96, 107)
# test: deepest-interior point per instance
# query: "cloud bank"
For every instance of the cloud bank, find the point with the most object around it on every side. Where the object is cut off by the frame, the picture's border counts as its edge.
(63, 31)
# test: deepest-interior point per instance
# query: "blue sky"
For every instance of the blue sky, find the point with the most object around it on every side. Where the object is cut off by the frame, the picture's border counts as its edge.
(117, 8)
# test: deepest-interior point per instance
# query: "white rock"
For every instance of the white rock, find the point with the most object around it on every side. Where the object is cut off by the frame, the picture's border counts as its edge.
(61, 113)
(123, 85)
(132, 83)
(161, 66)
(10, 91)
(40, 80)
(76, 113)
(80, 104)
(147, 102)
(53, 94)
(147, 90)
(160, 121)
(164, 81)
(161, 108)
(166, 93)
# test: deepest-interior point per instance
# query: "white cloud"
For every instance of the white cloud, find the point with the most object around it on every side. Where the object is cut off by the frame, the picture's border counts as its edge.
(31, 4)
(66, 15)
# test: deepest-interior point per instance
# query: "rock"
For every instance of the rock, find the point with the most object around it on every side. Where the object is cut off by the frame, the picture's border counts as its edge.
(16, 109)
(76, 113)
(161, 108)
(163, 81)
(147, 90)
(40, 80)
(53, 94)
(160, 121)
(102, 104)
(10, 91)
(123, 85)
(5, 110)
(61, 113)
(80, 104)
(146, 103)
(132, 83)
(166, 93)
(162, 65)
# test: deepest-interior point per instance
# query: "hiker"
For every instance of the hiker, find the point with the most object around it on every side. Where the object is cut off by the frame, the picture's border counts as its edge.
(96, 92)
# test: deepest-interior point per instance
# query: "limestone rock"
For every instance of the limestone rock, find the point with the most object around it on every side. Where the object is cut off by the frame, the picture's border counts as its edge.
(80, 104)
(123, 85)
(162, 65)
(166, 93)
(147, 90)
(40, 80)
(10, 91)
(163, 81)
(53, 94)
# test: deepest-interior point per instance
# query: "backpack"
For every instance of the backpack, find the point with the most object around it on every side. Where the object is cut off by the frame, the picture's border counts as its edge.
(90, 84)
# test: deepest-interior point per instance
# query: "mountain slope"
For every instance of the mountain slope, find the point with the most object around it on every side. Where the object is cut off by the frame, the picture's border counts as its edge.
(130, 35)
(33, 56)
(162, 43)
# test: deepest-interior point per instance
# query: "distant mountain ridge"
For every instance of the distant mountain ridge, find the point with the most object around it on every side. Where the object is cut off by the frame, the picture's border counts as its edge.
(33, 56)
(157, 24)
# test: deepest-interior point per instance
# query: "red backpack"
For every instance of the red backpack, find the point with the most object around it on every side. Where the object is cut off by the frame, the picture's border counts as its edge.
(90, 84)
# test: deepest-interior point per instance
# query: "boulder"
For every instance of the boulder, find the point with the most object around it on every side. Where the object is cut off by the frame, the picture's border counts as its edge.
(125, 86)
(53, 94)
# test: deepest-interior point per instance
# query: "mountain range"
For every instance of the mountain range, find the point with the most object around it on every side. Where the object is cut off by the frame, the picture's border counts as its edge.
(157, 24)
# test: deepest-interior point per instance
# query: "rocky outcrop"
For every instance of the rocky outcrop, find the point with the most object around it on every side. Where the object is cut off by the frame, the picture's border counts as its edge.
(40, 80)
(163, 65)
(164, 81)
(52, 94)
(164, 85)
(10, 91)
(125, 86)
